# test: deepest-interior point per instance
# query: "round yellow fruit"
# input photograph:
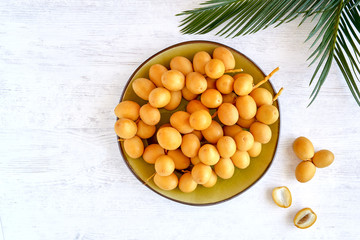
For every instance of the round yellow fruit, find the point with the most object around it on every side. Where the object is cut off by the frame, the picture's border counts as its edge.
(152, 152)
(241, 159)
(213, 133)
(261, 132)
(211, 98)
(166, 182)
(261, 96)
(303, 148)
(226, 146)
(169, 138)
(246, 107)
(225, 84)
(225, 56)
(208, 154)
(195, 105)
(145, 131)
(305, 171)
(255, 150)
(201, 173)
(125, 128)
(181, 64)
(155, 73)
(190, 145)
(243, 84)
(228, 114)
(187, 94)
(187, 183)
(181, 161)
(224, 168)
(323, 158)
(175, 100)
(180, 121)
(173, 80)
(134, 147)
(149, 114)
(142, 87)
(212, 181)
(215, 68)
(127, 109)
(245, 123)
(244, 140)
(159, 97)
(196, 83)
(200, 60)
(164, 165)
(267, 114)
(200, 120)
(232, 130)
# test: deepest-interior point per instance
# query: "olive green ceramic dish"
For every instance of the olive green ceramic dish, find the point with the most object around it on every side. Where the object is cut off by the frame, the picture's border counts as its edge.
(224, 189)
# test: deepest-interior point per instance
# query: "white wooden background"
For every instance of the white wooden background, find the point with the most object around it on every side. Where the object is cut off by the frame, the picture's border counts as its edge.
(63, 66)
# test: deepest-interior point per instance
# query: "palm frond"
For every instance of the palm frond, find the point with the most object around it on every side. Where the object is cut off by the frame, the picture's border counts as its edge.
(337, 33)
(347, 55)
(337, 29)
(327, 25)
(247, 16)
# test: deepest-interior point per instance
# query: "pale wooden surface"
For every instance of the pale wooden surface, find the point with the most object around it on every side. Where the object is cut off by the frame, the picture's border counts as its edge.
(63, 65)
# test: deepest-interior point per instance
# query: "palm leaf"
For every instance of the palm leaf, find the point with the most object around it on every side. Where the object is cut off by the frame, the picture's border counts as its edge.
(255, 14)
(328, 26)
(338, 34)
(347, 54)
(338, 28)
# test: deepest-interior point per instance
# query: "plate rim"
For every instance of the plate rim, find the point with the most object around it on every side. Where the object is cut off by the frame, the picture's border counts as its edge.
(173, 199)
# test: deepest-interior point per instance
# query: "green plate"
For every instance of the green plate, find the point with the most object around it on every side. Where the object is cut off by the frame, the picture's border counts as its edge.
(224, 189)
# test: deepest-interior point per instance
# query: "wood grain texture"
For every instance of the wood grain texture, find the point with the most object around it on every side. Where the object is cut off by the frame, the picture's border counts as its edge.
(63, 65)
